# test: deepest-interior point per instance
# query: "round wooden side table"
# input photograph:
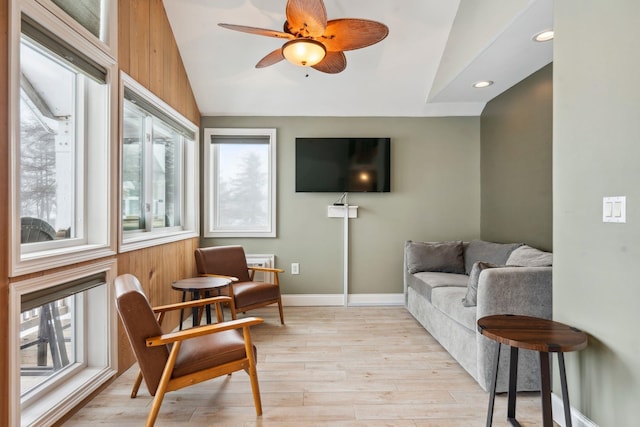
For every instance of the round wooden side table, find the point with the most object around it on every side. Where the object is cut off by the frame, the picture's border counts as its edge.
(531, 333)
(200, 287)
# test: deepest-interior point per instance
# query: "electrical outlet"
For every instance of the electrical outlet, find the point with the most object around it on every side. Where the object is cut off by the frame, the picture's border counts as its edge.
(295, 268)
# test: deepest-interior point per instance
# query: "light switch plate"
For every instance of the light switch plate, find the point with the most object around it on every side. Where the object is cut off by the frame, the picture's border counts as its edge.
(614, 209)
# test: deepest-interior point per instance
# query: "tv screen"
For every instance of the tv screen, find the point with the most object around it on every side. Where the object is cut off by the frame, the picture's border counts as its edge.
(343, 164)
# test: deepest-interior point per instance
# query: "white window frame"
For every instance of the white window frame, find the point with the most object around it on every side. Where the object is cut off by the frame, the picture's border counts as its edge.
(190, 210)
(99, 240)
(101, 357)
(211, 181)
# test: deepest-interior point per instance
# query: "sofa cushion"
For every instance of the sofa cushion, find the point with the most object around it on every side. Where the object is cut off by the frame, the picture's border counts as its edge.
(424, 282)
(447, 300)
(471, 297)
(494, 253)
(526, 256)
(445, 257)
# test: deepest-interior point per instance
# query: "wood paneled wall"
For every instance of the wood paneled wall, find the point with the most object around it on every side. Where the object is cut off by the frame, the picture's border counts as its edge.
(147, 51)
(156, 268)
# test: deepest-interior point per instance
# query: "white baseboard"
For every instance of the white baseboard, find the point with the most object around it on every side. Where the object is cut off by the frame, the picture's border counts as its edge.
(577, 418)
(308, 300)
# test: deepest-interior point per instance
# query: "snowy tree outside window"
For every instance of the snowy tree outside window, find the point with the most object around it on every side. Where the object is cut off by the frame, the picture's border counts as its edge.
(240, 182)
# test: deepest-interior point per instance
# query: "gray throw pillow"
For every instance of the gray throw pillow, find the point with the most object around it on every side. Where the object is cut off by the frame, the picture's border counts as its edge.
(445, 257)
(494, 253)
(471, 298)
(526, 256)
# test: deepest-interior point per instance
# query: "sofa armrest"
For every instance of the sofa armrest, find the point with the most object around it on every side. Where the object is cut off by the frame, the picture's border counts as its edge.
(515, 290)
(405, 272)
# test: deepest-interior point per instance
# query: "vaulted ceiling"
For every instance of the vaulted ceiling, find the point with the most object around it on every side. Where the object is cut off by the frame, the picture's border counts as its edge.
(435, 51)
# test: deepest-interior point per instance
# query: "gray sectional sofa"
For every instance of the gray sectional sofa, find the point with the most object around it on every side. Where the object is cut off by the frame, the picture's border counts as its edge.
(450, 285)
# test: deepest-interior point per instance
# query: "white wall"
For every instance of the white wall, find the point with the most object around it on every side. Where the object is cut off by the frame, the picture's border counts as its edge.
(596, 153)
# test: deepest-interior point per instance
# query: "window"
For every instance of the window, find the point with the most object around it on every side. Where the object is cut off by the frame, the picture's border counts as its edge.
(240, 182)
(94, 19)
(62, 329)
(87, 13)
(61, 163)
(159, 171)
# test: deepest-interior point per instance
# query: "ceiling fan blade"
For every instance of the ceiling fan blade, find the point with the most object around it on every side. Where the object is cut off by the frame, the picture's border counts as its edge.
(272, 58)
(350, 34)
(307, 18)
(258, 31)
(333, 63)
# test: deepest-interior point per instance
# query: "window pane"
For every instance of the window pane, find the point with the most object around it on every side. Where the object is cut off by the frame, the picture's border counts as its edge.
(86, 12)
(48, 127)
(47, 342)
(167, 170)
(133, 131)
(243, 185)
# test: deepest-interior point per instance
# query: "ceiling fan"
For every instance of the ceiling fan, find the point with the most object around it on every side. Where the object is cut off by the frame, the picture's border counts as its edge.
(315, 42)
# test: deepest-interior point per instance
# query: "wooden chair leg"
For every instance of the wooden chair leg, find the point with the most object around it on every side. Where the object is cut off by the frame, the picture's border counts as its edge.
(136, 385)
(155, 408)
(219, 313)
(281, 311)
(232, 306)
(162, 386)
(253, 373)
(255, 388)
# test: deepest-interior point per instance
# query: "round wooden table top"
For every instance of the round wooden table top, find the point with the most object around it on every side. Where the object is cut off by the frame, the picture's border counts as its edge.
(532, 333)
(200, 283)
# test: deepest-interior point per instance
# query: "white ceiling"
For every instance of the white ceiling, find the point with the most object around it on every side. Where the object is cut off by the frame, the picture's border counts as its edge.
(435, 51)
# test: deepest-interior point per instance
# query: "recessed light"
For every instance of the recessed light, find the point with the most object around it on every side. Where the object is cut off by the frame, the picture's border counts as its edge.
(544, 36)
(482, 83)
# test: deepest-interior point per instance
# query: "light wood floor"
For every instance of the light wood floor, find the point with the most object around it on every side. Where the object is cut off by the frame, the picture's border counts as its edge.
(355, 366)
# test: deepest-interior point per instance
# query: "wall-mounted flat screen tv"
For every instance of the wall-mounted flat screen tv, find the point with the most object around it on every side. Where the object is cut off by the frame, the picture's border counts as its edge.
(343, 164)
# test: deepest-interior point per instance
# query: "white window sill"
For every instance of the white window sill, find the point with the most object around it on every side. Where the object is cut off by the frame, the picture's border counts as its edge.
(70, 394)
(45, 260)
(147, 240)
(222, 234)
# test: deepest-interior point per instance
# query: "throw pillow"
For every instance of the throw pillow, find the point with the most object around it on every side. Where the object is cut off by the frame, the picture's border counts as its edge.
(445, 257)
(471, 298)
(526, 256)
(494, 253)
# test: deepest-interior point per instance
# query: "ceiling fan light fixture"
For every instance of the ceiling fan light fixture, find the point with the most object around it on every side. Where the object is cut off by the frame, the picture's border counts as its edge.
(304, 52)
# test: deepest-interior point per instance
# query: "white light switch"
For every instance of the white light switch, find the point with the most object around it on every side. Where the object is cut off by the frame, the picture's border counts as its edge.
(617, 209)
(614, 209)
(608, 209)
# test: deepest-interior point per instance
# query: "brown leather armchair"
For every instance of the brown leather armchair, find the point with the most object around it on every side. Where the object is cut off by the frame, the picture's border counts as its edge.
(230, 261)
(175, 360)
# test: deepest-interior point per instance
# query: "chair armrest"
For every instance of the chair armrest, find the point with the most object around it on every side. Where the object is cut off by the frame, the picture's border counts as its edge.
(515, 290)
(202, 330)
(275, 271)
(191, 304)
(222, 276)
(267, 269)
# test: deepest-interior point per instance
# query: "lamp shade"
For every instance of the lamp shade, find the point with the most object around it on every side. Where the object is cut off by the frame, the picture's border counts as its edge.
(304, 52)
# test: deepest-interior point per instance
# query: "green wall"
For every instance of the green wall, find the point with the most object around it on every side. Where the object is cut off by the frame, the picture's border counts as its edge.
(515, 158)
(596, 154)
(435, 195)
